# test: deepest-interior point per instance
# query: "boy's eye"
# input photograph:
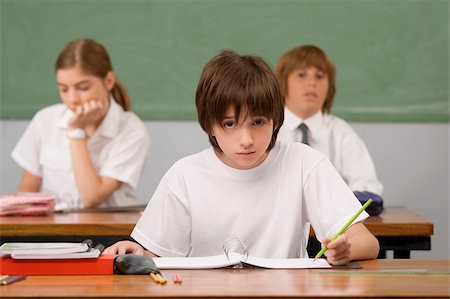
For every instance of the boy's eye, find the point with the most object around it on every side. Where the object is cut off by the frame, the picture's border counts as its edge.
(320, 76)
(228, 124)
(259, 122)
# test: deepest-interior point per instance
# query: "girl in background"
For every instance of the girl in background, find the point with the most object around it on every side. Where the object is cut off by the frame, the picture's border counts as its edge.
(90, 150)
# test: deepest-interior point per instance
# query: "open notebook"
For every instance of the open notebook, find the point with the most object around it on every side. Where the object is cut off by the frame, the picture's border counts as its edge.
(235, 259)
(236, 255)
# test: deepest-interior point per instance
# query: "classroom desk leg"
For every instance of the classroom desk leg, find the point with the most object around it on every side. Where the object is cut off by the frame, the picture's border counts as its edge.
(402, 245)
(402, 254)
(398, 254)
(381, 254)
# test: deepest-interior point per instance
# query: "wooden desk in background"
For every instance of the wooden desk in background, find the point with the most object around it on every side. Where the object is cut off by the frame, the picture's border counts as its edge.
(377, 279)
(396, 228)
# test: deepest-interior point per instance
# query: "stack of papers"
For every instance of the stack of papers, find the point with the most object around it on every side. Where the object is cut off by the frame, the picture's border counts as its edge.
(52, 250)
(27, 204)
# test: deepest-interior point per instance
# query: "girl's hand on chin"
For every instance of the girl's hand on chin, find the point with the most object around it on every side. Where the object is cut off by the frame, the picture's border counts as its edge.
(88, 114)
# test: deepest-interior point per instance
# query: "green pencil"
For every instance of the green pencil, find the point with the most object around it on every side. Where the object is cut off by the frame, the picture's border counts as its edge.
(321, 252)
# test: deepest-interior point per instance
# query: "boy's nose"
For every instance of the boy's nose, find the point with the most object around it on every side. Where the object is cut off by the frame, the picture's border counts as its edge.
(312, 82)
(245, 138)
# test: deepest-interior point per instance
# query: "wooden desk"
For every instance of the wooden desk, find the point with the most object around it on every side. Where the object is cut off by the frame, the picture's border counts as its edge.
(70, 224)
(400, 230)
(105, 227)
(396, 228)
(373, 281)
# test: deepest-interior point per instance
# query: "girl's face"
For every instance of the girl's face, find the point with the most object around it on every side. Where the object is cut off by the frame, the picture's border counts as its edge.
(243, 144)
(307, 89)
(77, 87)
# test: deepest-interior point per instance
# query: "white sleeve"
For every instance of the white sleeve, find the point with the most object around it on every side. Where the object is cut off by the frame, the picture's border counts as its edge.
(329, 201)
(127, 158)
(27, 150)
(358, 169)
(165, 226)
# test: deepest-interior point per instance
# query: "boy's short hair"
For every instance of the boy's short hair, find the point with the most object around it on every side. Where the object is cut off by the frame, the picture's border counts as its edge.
(244, 82)
(303, 57)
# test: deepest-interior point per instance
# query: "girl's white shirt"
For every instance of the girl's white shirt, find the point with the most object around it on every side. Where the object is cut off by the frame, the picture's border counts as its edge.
(118, 149)
(201, 202)
(337, 140)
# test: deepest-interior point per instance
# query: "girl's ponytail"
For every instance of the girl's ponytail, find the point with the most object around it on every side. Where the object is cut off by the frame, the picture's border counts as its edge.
(120, 95)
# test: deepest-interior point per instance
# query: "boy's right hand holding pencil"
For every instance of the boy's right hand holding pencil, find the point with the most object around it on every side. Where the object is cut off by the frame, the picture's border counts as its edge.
(337, 249)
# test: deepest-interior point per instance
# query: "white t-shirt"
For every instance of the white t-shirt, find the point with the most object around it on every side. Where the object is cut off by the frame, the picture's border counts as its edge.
(118, 149)
(334, 137)
(201, 202)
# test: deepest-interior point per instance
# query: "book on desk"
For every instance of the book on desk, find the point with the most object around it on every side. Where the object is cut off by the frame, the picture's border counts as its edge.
(53, 258)
(52, 250)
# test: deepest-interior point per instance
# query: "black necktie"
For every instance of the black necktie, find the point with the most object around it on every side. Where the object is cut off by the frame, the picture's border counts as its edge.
(304, 129)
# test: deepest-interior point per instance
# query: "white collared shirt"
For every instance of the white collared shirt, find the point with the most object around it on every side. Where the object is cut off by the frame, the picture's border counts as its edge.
(118, 149)
(336, 139)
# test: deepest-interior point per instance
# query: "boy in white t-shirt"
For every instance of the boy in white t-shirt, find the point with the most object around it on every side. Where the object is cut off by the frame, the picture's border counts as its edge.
(247, 185)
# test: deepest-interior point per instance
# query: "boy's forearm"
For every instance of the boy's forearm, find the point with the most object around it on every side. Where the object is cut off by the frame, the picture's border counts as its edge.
(364, 245)
(365, 249)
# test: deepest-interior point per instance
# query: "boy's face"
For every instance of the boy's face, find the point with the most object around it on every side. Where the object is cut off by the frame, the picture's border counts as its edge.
(243, 144)
(307, 89)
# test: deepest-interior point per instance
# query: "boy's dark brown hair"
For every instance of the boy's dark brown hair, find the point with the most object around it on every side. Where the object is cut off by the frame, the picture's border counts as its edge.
(92, 58)
(244, 82)
(304, 57)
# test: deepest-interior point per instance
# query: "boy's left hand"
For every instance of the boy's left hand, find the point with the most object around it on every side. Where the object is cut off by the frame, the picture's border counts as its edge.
(338, 252)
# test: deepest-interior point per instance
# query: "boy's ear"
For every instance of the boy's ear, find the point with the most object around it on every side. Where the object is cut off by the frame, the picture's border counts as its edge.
(110, 80)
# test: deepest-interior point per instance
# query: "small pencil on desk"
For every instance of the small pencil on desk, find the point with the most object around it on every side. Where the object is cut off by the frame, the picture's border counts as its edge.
(176, 278)
(9, 279)
(158, 278)
(342, 230)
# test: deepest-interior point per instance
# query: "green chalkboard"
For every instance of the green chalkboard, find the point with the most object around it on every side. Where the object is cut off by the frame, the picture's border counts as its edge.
(392, 56)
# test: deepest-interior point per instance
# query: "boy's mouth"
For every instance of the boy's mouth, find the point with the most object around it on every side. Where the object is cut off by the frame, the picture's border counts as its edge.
(310, 95)
(246, 153)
